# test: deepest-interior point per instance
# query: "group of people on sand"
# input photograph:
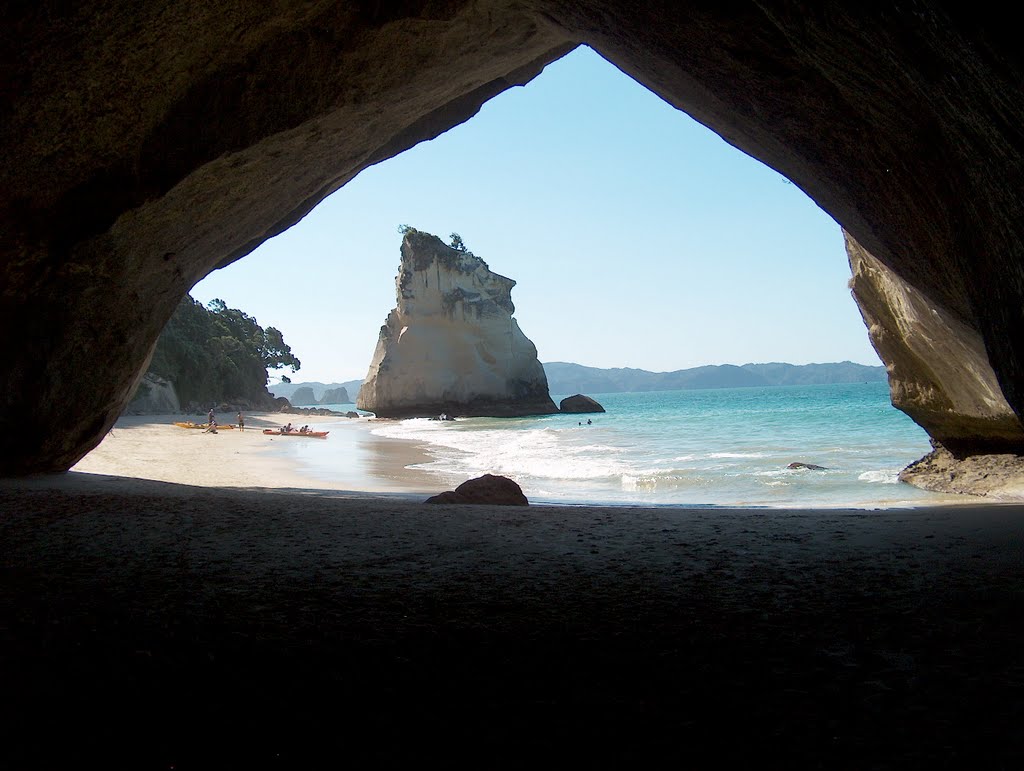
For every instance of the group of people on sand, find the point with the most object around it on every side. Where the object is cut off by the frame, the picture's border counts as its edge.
(211, 421)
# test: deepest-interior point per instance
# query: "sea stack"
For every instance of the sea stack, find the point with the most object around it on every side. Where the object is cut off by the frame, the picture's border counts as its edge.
(451, 345)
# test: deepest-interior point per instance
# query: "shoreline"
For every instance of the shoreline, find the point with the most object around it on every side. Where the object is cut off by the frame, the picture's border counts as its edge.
(151, 447)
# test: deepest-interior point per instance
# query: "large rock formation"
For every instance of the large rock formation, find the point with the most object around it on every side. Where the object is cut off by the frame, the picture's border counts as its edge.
(154, 396)
(451, 344)
(335, 396)
(146, 144)
(303, 397)
(940, 374)
(939, 370)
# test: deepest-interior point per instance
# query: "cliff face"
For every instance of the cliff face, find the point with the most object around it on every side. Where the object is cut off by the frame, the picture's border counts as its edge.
(303, 396)
(451, 344)
(335, 396)
(939, 370)
(154, 395)
(941, 376)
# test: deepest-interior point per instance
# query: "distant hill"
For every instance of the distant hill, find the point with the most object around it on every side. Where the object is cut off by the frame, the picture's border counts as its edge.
(287, 390)
(567, 378)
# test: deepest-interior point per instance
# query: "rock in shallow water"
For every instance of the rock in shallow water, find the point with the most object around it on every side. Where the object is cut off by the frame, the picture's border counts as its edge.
(579, 404)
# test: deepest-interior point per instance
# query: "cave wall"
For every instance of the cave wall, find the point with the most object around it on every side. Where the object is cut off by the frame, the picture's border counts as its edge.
(939, 371)
(147, 144)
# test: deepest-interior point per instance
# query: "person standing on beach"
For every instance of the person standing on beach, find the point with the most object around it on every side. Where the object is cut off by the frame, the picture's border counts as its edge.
(241, 422)
(209, 417)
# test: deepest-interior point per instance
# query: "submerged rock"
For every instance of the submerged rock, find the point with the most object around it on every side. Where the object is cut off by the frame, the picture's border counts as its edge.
(809, 466)
(451, 345)
(488, 489)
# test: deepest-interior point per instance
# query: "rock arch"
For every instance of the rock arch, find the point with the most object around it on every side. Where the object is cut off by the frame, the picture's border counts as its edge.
(146, 145)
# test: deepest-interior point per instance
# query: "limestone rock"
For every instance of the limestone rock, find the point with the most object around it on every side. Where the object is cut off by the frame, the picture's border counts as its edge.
(999, 476)
(154, 396)
(939, 368)
(303, 396)
(335, 396)
(489, 489)
(451, 344)
(579, 404)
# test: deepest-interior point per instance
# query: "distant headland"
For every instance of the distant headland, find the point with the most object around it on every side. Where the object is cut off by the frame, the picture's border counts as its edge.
(566, 378)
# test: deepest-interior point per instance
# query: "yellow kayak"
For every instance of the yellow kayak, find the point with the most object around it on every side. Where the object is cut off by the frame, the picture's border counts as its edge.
(190, 424)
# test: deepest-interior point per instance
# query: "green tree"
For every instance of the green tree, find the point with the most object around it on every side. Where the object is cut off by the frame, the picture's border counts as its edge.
(457, 242)
(218, 353)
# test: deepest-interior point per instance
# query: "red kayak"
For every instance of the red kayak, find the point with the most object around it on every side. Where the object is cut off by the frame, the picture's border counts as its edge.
(314, 434)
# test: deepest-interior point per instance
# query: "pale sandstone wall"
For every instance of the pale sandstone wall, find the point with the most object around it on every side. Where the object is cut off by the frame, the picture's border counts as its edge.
(451, 344)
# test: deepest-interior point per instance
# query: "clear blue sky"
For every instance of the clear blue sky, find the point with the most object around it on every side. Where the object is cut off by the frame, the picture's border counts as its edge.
(638, 238)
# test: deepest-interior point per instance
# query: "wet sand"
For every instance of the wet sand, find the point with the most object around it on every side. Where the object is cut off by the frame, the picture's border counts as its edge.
(154, 625)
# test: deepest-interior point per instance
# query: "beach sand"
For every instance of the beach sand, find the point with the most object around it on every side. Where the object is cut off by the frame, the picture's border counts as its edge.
(148, 624)
(152, 447)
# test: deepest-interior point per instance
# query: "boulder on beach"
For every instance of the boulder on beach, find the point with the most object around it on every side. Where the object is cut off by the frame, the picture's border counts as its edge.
(489, 489)
(579, 404)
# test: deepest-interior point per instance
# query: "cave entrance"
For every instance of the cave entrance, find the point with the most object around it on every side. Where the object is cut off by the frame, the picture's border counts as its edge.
(699, 253)
(639, 239)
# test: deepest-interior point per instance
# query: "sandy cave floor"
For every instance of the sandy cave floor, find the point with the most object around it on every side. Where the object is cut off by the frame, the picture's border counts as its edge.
(152, 625)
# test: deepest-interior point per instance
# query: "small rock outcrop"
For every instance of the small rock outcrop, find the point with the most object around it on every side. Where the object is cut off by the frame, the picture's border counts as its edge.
(998, 475)
(303, 396)
(808, 466)
(451, 345)
(335, 396)
(579, 404)
(489, 489)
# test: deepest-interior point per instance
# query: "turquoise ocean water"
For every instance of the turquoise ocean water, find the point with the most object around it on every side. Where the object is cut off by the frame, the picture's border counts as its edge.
(716, 447)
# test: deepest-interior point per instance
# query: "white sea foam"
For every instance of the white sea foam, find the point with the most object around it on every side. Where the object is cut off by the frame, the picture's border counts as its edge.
(690, 448)
(882, 476)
